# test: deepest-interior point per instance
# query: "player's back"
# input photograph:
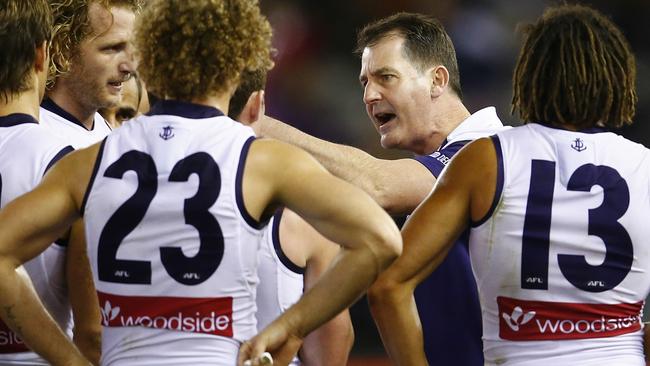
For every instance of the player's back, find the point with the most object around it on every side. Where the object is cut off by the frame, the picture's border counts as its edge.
(561, 261)
(27, 150)
(172, 247)
(281, 280)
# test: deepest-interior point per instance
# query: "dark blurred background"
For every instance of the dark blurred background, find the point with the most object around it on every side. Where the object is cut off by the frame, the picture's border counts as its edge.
(314, 85)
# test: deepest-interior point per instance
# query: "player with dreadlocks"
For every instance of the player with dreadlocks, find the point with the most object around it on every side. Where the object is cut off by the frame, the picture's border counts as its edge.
(553, 206)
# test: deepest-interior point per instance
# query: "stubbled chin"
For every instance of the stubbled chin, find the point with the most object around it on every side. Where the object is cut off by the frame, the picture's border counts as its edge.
(110, 101)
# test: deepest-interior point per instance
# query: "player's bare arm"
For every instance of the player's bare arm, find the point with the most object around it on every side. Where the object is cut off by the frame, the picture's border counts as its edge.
(87, 332)
(461, 194)
(384, 180)
(331, 343)
(29, 224)
(366, 233)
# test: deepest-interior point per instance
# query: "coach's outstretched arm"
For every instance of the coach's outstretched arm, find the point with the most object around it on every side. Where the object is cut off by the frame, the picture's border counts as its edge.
(28, 225)
(342, 213)
(383, 179)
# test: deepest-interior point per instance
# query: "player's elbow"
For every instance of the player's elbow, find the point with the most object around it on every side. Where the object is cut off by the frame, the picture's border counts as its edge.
(9, 260)
(385, 292)
(386, 245)
(389, 201)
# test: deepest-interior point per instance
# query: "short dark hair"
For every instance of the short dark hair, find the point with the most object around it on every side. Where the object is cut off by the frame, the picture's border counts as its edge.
(575, 68)
(250, 81)
(24, 26)
(426, 43)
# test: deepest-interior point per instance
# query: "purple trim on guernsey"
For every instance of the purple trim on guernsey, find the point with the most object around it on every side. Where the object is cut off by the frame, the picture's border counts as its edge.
(184, 109)
(239, 197)
(16, 119)
(439, 159)
(49, 104)
(65, 151)
(278, 247)
(499, 187)
(98, 161)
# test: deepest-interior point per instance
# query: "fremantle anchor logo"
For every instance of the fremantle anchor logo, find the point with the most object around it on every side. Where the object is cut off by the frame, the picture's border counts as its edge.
(578, 145)
(166, 133)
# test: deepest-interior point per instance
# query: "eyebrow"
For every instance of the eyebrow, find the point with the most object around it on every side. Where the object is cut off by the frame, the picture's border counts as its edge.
(379, 71)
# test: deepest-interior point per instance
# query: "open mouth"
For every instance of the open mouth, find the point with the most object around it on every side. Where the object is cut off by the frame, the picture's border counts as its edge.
(116, 84)
(384, 118)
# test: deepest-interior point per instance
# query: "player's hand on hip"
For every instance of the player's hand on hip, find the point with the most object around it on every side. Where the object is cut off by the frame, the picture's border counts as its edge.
(275, 341)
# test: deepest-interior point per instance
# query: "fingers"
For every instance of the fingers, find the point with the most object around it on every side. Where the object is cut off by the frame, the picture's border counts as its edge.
(244, 354)
(264, 360)
(247, 357)
(287, 351)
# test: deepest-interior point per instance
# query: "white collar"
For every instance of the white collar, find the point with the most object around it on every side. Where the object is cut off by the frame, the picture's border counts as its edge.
(481, 123)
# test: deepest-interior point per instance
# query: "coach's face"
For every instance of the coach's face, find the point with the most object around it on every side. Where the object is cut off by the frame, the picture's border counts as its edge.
(105, 59)
(396, 94)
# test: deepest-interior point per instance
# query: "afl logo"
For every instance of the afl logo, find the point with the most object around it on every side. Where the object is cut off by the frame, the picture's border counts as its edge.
(166, 133)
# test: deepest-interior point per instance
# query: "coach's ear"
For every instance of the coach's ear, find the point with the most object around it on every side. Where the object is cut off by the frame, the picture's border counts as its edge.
(439, 80)
(253, 109)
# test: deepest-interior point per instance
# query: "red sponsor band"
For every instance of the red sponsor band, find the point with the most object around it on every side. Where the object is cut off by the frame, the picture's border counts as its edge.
(10, 342)
(522, 320)
(195, 315)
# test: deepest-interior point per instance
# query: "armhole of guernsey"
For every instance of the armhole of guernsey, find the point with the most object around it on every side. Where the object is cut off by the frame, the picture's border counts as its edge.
(499, 184)
(63, 152)
(278, 247)
(239, 182)
(91, 181)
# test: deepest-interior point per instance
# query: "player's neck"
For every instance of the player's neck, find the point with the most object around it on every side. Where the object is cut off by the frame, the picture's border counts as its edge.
(220, 102)
(70, 104)
(453, 113)
(446, 116)
(26, 103)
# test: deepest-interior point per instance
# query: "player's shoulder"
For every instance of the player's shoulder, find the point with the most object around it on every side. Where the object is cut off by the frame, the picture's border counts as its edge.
(271, 149)
(83, 156)
(33, 139)
(279, 161)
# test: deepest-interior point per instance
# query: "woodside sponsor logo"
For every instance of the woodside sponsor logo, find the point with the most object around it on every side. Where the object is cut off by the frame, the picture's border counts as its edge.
(10, 342)
(523, 320)
(198, 315)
